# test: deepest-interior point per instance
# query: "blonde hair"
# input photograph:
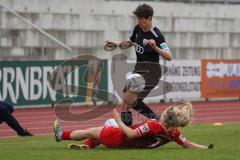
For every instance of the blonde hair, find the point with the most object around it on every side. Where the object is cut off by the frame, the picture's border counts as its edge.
(179, 115)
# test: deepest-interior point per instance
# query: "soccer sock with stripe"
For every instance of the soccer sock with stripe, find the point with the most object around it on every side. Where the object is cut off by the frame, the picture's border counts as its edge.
(126, 118)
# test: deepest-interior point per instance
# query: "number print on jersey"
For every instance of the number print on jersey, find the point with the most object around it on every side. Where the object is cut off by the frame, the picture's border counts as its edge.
(144, 128)
(139, 49)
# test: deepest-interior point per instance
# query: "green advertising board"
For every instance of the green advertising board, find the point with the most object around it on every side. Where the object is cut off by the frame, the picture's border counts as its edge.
(27, 82)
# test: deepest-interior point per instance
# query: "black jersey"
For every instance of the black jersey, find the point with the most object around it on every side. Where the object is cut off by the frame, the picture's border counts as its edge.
(143, 51)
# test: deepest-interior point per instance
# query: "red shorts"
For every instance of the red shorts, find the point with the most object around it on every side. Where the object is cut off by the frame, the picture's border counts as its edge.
(112, 137)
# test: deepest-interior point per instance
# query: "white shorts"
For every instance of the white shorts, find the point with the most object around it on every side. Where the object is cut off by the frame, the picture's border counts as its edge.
(111, 122)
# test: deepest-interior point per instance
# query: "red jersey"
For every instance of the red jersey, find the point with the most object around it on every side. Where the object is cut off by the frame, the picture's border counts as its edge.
(158, 140)
(149, 128)
(151, 133)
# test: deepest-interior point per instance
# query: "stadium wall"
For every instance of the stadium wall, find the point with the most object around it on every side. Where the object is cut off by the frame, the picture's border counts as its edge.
(193, 31)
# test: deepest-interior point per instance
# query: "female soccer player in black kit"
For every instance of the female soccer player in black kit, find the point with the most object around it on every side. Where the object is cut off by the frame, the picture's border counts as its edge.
(149, 45)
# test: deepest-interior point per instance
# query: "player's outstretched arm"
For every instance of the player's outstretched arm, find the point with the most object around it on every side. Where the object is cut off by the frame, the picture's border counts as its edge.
(110, 45)
(125, 44)
(129, 132)
(198, 146)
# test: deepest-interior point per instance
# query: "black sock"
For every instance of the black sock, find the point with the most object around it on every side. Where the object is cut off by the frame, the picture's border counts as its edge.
(143, 109)
(126, 118)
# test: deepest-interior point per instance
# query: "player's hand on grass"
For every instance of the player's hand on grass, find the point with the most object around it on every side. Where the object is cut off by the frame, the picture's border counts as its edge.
(210, 146)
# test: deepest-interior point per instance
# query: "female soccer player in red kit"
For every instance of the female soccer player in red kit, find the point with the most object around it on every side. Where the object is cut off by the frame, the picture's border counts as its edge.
(149, 134)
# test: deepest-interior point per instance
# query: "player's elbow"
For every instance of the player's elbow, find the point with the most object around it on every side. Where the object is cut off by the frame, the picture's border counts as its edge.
(186, 146)
(169, 57)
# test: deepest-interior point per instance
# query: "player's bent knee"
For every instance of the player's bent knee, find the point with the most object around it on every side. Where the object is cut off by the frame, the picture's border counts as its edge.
(94, 132)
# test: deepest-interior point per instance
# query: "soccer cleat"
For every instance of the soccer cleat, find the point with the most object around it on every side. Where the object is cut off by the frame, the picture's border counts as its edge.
(25, 133)
(57, 130)
(78, 146)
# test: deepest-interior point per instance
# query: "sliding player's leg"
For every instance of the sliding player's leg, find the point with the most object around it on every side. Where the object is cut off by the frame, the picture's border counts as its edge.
(87, 133)
(77, 135)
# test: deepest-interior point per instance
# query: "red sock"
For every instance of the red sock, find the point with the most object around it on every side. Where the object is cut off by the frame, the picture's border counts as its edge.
(90, 143)
(66, 135)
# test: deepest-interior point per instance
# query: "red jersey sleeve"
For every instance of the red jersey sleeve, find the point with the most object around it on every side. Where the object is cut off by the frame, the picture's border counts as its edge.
(179, 138)
(150, 127)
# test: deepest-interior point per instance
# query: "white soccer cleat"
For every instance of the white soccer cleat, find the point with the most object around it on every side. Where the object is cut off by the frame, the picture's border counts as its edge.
(78, 146)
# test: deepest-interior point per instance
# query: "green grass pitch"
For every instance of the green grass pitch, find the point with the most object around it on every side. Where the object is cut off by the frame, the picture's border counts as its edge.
(226, 139)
